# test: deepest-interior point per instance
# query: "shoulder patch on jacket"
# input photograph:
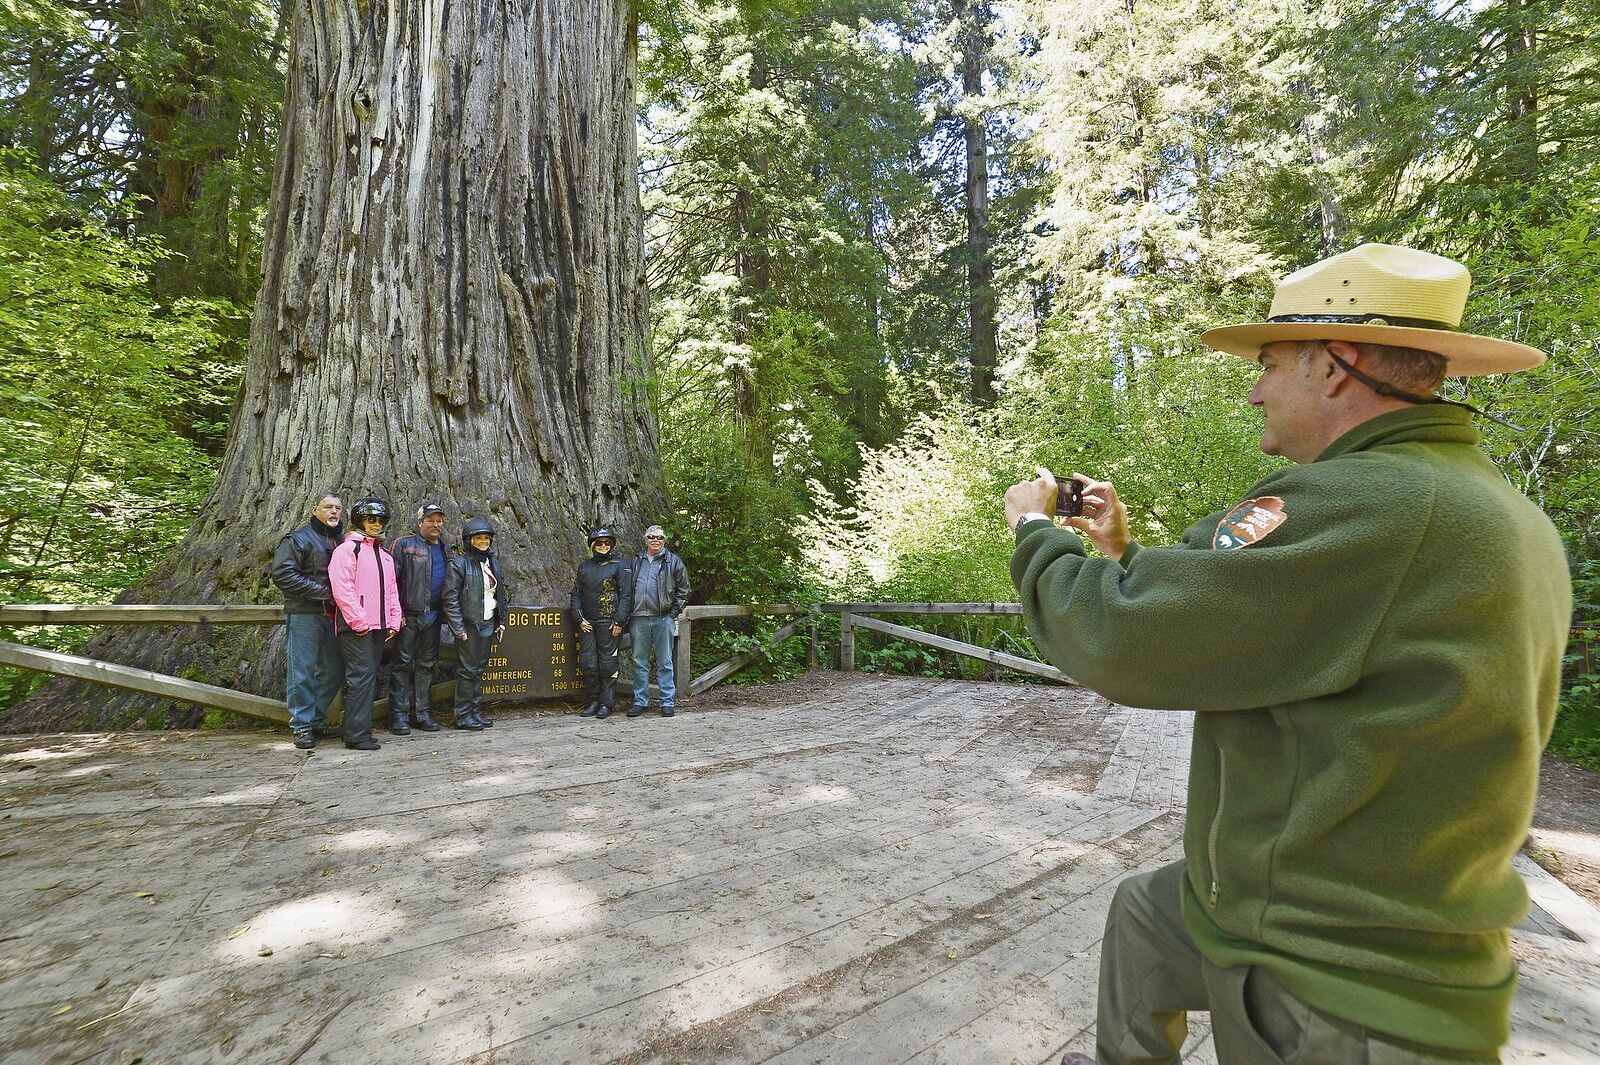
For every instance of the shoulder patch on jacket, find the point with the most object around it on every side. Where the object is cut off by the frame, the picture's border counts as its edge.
(1248, 523)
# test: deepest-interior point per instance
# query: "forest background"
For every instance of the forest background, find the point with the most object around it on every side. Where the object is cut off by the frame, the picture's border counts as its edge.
(899, 252)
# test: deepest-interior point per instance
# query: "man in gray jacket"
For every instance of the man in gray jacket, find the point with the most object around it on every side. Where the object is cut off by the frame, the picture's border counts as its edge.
(660, 592)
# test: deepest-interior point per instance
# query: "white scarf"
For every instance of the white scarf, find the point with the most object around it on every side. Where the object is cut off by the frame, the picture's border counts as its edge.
(488, 592)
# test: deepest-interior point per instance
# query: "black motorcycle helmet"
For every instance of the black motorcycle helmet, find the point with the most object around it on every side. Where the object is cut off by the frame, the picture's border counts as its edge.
(477, 527)
(368, 508)
(602, 532)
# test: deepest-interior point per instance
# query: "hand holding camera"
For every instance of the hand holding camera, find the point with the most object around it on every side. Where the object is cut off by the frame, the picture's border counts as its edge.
(1089, 506)
(1069, 496)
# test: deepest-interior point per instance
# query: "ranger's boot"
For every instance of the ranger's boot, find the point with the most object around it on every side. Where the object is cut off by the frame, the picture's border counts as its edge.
(423, 720)
(398, 724)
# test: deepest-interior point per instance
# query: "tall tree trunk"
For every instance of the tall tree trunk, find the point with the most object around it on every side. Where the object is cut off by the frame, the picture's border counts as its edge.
(1521, 161)
(974, 17)
(452, 309)
(754, 265)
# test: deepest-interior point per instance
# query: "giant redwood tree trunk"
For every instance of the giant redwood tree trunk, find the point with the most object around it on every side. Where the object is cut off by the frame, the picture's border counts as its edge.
(452, 308)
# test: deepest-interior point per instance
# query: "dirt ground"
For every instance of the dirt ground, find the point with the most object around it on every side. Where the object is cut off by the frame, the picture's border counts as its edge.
(1565, 838)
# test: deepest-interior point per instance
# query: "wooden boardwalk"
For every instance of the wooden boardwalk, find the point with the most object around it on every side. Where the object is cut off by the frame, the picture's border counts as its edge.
(840, 869)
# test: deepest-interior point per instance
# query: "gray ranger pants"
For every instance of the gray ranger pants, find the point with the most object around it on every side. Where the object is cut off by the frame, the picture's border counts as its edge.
(1151, 975)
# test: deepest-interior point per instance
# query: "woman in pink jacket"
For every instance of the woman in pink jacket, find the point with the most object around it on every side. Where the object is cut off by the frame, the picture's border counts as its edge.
(367, 615)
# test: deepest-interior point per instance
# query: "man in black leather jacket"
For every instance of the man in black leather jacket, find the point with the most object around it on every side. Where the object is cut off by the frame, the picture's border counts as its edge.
(420, 562)
(602, 604)
(300, 570)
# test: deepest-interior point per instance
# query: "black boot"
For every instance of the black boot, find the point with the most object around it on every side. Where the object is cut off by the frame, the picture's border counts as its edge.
(468, 720)
(485, 722)
(604, 711)
(398, 724)
(425, 722)
(590, 710)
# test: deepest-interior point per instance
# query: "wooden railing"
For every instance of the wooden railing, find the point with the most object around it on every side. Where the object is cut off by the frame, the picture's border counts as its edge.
(852, 616)
(856, 615)
(692, 686)
(130, 678)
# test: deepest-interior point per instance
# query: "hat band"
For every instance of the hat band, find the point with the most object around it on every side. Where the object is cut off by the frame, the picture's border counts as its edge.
(1367, 319)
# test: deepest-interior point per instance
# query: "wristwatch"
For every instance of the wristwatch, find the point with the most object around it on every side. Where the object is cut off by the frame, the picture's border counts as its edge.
(1029, 516)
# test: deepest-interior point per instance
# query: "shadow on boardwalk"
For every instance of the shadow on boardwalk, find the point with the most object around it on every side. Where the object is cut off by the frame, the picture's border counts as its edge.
(838, 869)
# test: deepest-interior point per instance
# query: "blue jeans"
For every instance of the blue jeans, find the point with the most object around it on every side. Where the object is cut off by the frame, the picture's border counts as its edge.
(316, 669)
(653, 634)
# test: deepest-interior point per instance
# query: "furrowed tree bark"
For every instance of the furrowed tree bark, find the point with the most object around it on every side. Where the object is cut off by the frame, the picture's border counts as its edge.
(452, 309)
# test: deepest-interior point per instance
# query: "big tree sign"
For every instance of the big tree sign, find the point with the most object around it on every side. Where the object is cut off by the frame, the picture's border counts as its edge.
(452, 308)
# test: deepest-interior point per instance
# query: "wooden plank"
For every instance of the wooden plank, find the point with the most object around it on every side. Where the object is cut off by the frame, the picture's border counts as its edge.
(717, 674)
(1569, 909)
(143, 680)
(847, 642)
(742, 610)
(921, 608)
(944, 643)
(682, 662)
(779, 873)
(140, 614)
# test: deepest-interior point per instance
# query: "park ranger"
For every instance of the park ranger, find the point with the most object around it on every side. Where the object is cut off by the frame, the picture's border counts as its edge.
(1371, 640)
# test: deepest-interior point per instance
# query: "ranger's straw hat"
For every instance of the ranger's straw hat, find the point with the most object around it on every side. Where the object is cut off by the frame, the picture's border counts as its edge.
(1379, 294)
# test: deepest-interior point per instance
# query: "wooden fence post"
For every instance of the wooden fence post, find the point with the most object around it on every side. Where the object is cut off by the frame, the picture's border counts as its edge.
(847, 642)
(680, 656)
(811, 642)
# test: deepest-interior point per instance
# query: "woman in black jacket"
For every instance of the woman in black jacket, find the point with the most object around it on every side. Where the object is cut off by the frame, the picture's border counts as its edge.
(475, 605)
(602, 603)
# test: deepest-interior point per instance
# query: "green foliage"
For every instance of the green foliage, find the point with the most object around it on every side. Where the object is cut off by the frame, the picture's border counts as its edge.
(162, 114)
(900, 656)
(776, 141)
(927, 519)
(99, 470)
(1577, 729)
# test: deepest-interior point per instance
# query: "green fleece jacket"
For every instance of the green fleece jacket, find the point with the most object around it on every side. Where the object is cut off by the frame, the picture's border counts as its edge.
(1374, 677)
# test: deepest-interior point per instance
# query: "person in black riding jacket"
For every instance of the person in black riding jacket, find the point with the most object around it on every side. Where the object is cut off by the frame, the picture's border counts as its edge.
(300, 570)
(420, 562)
(602, 604)
(475, 608)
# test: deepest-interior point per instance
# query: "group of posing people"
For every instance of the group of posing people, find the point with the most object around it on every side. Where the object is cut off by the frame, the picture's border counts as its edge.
(350, 598)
